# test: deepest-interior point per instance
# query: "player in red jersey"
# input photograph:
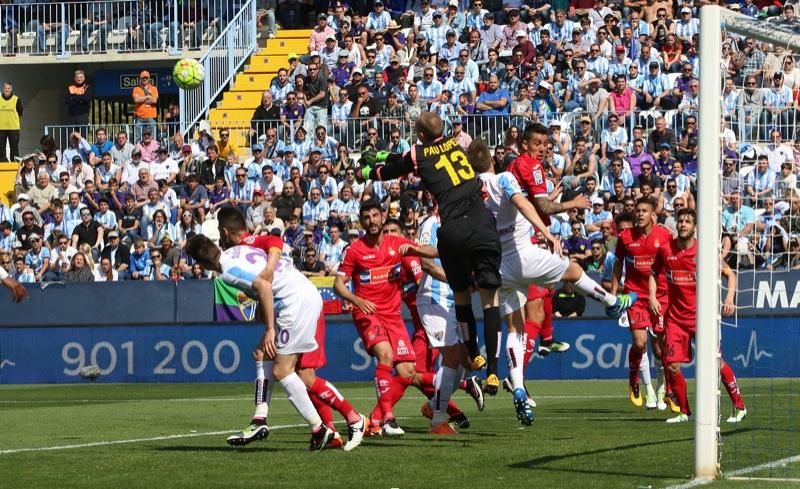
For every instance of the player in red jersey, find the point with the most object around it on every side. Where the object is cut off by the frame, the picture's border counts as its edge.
(636, 248)
(323, 394)
(410, 276)
(677, 259)
(373, 263)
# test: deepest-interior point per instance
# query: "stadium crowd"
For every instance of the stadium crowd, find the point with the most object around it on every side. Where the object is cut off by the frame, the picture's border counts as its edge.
(615, 82)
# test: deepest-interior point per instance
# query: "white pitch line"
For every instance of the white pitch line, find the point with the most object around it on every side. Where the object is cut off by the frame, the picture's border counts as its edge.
(231, 399)
(736, 474)
(136, 440)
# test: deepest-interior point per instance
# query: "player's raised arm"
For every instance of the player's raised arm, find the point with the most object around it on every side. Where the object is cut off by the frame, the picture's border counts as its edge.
(529, 212)
(422, 251)
(263, 288)
(729, 304)
(383, 165)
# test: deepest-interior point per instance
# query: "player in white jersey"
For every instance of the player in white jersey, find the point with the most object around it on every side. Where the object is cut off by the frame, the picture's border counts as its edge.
(524, 264)
(290, 306)
(436, 308)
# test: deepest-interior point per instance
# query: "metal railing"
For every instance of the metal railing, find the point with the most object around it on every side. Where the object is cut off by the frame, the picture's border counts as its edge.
(228, 52)
(85, 27)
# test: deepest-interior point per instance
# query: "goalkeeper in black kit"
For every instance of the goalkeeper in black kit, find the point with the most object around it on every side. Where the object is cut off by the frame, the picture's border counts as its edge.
(469, 246)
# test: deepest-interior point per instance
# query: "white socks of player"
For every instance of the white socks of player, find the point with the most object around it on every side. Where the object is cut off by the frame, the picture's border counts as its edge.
(264, 383)
(298, 396)
(515, 353)
(447, 380)
(644, 370)
(587, 286)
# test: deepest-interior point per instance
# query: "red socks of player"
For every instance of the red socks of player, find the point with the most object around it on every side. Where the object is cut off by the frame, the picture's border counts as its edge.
(329, 395)
(729, 380)
(678, 383)
(383, 388)
(532, 329)
(634, 359)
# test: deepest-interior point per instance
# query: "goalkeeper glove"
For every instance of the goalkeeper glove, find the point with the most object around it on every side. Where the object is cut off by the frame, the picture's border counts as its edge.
(370, 159)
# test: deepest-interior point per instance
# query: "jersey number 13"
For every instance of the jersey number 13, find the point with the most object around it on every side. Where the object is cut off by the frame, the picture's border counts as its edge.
(457, 167)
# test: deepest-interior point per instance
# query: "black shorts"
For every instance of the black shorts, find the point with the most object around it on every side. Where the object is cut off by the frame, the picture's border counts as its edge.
(469, 248)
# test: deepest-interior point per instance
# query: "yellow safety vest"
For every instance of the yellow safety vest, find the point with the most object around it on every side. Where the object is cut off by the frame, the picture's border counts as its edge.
(9, 119)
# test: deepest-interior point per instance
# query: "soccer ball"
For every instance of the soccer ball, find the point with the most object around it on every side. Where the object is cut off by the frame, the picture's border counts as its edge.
(188, 73)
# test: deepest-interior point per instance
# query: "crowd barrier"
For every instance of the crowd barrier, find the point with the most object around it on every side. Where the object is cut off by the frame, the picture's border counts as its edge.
(85, 27)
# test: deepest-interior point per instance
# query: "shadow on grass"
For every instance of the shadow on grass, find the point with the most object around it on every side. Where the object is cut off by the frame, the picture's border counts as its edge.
(237, 450)
(537, 463)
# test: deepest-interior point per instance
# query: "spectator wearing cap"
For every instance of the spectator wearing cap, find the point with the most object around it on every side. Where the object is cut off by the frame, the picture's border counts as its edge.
(38, 257)
(543, 104)
(330, 53)
(145, 98)
(253, 164)
(148, 146)
(619, 65)
(77, 146)
(595, 218)
(320, 33)
(686, 26)
(451, 47)
(455, 19)
(343, 68)
(656, 89)
(436, 34)
(378, 20)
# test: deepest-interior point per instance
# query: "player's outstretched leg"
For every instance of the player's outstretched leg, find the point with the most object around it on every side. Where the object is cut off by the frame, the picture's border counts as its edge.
(257, 429)
(731, 385)
(547, 343)
(615, 305)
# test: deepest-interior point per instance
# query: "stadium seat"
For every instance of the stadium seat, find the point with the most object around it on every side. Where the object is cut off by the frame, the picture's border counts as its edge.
(261, 63)
(285, 46)
(240, 100)
(26, 41)
(248, 82)
(116, 38)
(294, 34)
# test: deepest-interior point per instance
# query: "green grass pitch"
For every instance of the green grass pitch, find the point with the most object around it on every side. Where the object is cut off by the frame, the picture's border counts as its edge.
(586, 435)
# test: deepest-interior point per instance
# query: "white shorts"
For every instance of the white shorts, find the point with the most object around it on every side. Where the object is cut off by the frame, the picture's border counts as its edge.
(296, 325)
(530, 265)
(440, 324)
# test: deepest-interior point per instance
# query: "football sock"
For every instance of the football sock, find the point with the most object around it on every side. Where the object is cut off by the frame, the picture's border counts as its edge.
(298, 396)
(634, 360)
(729, 380)
(427, 380)
(662, 367)
(452, 408)
(644, 370)
(588, 287)
(469, 329)
(439, 403)
(383, 388)
(678, 382)
(398, 388)
(491, 337)
(424, 358)
(263, 388)
(532, 329)
(546, 332)
(329, 395)
(515, 352)
(324, 411)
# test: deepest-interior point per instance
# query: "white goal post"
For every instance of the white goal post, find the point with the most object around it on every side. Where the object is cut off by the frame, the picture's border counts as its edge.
(712, 20)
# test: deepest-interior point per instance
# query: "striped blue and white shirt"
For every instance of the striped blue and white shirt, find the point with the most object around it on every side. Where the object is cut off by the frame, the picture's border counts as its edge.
(378, 22)
(106, 219)
(430, 91)
(687, 29)
(243, 191)
(437, 36)
(561, 32)
(315, 212)
(342, 208)
(432, 291)
(328, 188)
(36, 260)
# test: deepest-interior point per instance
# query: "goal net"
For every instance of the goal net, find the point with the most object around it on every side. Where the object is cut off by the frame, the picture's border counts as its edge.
(748, 214)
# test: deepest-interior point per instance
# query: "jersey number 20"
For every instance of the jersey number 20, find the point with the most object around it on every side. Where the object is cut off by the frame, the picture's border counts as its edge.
(456, 166)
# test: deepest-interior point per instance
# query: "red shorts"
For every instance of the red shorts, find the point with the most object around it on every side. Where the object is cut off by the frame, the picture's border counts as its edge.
(537, 292)
(316, 358)
(678, 342)
(376, 328)
(640, 316)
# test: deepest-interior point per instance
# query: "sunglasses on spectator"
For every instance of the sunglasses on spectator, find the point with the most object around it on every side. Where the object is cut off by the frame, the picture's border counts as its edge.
(241, 175)
(371, 133)
(64, 179)
(186, 214)
(52, 161)
(223, 135)
(84, 214)
(155, 256)
(323, 172)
